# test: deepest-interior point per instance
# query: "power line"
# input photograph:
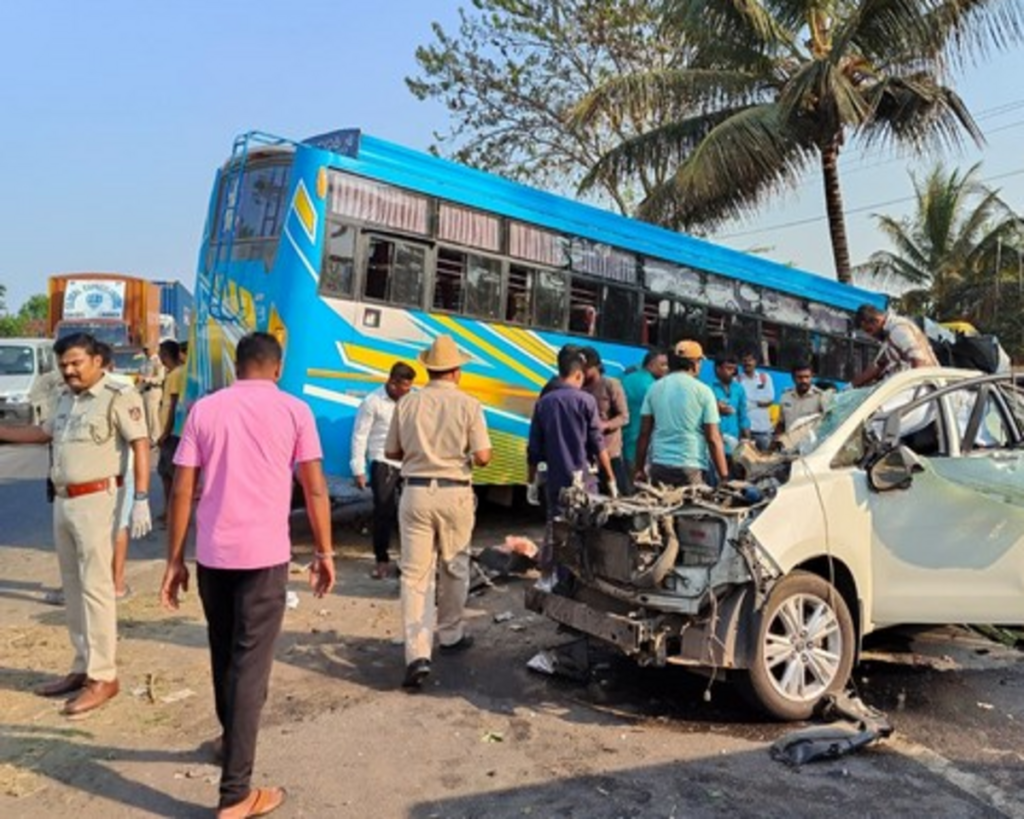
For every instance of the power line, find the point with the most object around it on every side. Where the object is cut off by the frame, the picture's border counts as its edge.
(847, 212)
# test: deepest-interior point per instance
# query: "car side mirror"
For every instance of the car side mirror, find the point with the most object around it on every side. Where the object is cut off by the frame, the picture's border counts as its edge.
(894, 470)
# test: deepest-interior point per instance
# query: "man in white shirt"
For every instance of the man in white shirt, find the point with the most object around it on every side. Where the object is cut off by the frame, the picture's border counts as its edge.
(760, 395)
(368, 435)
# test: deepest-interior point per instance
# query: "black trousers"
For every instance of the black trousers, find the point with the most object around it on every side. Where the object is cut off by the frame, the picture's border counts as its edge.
(244, 609)
(384, 486)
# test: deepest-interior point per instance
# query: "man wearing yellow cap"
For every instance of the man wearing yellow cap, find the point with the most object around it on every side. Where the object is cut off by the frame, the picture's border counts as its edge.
(438, 434)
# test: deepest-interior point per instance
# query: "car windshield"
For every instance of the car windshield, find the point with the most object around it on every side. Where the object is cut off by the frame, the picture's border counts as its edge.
(16, 360)
(820, 428)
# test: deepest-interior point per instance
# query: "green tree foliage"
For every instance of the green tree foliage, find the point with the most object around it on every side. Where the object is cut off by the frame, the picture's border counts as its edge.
(958, 256)
(13, 326)
(774, 87)
(513, 71)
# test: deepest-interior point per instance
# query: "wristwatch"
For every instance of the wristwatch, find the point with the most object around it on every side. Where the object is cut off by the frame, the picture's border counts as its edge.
(142, 496)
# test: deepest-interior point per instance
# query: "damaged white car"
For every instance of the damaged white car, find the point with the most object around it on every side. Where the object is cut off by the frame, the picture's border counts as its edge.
(904, 503)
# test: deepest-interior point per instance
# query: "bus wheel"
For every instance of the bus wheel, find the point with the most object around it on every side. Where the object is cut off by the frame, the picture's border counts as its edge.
(804, 647)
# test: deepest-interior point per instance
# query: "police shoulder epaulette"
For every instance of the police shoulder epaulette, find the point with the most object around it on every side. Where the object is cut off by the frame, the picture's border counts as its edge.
(116, 386)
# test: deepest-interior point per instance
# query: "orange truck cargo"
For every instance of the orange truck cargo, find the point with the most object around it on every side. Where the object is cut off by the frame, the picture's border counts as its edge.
(123, 311)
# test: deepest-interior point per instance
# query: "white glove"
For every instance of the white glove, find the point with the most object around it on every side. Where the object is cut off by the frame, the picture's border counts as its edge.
(613, 489)
(141, 521)
(533, 494)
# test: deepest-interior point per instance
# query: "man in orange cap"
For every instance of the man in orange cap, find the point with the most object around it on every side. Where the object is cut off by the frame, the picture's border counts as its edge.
(438, 434)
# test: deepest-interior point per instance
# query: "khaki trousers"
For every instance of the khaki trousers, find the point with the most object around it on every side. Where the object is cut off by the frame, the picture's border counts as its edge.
(436, 525)
(151, 401)
(83, 529)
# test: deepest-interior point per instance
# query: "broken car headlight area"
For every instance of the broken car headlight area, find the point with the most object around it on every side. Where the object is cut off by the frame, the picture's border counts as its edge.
(674, 575)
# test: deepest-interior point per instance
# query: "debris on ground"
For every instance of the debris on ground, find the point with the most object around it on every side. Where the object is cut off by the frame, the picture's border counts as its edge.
(492, 736)
(177, 696)
(855, 725)
(504, 616)
(571, 660)
(516, 555)
(291, 600)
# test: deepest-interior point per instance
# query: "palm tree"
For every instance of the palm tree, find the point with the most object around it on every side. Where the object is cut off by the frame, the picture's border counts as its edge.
(774, 86)
(952, 256)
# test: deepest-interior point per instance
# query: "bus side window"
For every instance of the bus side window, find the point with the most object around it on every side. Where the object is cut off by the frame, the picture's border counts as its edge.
(793, 348)
(520, 288)
(482, 290)
(744, 335)
(583, 307)
(687, 322)
(618, 311)
(550, 299)
(716, 332)
(771, 341)
(395, 271)
(656, 330)
(337, 278)
(448, 278)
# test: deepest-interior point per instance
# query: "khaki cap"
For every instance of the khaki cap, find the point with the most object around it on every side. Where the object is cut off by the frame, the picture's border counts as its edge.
(442, 355)
(689, 349)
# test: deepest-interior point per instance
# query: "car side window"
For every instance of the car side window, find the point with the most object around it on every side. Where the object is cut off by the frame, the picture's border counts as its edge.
(921, 429)
(980, 420)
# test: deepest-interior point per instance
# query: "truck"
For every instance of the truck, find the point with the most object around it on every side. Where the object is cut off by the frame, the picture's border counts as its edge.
(123, 311)
(176, 304)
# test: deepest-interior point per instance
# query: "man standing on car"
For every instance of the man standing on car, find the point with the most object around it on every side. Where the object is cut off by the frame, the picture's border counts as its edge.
(760, 392)
(373, 420)
(904, 345)
(95, 423)
(438, 434)
(803, 400)
(248, 439)
(679, 425)
(565, 433)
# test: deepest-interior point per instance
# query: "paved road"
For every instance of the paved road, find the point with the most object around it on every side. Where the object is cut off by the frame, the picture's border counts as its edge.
(488, 738)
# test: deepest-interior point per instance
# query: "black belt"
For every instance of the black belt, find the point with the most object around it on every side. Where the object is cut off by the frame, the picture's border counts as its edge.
(444, 483)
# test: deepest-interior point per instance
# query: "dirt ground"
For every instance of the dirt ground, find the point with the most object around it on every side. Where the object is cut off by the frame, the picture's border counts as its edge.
(487, 737)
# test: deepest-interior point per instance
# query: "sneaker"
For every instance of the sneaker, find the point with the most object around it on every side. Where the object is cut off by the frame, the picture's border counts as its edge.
(464, 642)
(546, 582)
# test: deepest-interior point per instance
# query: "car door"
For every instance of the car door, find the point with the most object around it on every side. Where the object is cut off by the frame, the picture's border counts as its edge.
(950, 546)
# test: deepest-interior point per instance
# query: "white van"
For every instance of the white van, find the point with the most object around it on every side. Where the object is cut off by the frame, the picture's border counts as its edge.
(28, 380)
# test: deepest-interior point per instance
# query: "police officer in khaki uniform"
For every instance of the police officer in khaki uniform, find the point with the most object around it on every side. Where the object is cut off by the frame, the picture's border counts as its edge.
(439, 435)
(96, 420)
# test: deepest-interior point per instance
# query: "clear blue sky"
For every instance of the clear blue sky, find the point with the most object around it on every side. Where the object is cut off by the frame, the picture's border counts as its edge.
(117, 112)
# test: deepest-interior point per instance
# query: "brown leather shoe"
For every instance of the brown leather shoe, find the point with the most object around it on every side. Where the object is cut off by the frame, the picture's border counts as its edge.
(95, 693)
(65, 685)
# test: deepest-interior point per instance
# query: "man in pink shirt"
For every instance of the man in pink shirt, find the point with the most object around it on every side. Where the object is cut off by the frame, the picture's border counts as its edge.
(248, 440)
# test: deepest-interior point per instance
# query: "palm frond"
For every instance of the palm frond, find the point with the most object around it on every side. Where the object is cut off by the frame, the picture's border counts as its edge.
(733, 24)
(969, 30)
(919, 112)
(698, 90)
(876, 29)
(741, 161)
(900, 236)
(661, 147)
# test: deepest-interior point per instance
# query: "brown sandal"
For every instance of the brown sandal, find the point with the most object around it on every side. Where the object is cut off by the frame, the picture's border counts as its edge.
(263, 801)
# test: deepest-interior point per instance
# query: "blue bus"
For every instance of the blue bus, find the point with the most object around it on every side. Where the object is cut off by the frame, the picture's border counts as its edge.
(356, 253)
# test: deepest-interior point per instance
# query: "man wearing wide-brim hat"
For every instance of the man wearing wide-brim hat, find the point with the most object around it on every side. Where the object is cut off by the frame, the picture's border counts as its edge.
(439, 435)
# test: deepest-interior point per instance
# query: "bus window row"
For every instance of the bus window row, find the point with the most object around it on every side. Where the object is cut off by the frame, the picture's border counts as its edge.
(419, 275)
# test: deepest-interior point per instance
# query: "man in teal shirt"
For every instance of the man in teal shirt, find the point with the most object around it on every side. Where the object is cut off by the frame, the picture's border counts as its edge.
(635, 385)
(732, 402)
(679, 425)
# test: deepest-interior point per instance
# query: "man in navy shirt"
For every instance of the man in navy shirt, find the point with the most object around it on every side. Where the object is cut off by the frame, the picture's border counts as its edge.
(565, 433)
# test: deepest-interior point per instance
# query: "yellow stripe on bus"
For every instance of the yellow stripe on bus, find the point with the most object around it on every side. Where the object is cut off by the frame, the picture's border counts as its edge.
(452, 325)
(528, 342)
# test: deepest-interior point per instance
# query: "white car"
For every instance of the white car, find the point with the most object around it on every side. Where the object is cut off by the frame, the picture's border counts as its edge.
(903, 503)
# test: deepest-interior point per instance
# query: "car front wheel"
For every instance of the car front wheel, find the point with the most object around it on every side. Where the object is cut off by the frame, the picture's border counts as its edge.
(804, 647)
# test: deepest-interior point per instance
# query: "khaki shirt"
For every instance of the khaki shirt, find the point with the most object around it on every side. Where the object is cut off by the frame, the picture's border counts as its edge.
(438, 429)
(91, 431)
(794, 407)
